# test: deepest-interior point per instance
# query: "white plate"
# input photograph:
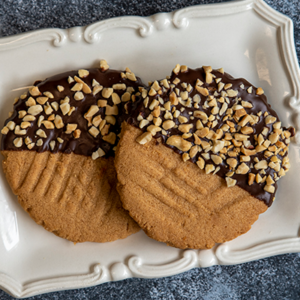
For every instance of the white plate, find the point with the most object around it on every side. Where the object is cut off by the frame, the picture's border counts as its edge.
(248, 39)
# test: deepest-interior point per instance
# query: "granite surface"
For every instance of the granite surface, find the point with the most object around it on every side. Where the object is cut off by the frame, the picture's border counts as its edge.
(272, 278)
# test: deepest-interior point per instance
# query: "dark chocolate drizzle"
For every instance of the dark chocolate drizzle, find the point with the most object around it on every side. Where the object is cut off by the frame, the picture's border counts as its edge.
(86, 144)
(259, 103)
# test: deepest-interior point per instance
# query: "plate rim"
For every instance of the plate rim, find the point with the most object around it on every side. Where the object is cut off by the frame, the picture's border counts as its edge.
(146, 26)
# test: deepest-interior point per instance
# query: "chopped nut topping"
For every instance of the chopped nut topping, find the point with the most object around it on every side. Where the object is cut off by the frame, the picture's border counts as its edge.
(185, 128)
(153, 104)
(78, 96)
(58, 122)
(247, 104)
(144, 138)
(30, 102)
(77, 87)
(22, 114)
(251, 178)
(97, 89)
(202, 91)
(24, 125)
(227, 86)
(83, 73)
(97, 120)
(119, 86)
(93, 131)
(11, 125)
(60, 88)
(218, 146)
(39, 142)
(107, 92)
(95, 82)
(40, 120)
(23, 96)
(65, 108)
(70, 79)
(60, 140)
(115, 98)
(143, 123)
(103, 65)
(182, 119)
(216, 159)
(92, 111)
(70, 128)
(201, 115)
(178, 142)
(168, 124)
(47, 108)
(98, 153)
(173, 99)
(126, 97)
(209, 168)
(183, 68)
(41, 133)
(110, 138)
(270, 119)
(153, 129)
(30, 146)
(42, 100)
(130, 76)
(34, 91)
(232, 162)
(270, 189)
(52, 145)
(110, 119)
(28, 140)
(102, 124)
(232, 93)
(176, 70)
(261, 165)
(273, 138)
(102, 103)
(5, 130)
(201, 163)
(259, 91)
(157, 121)
(230, 182)
(48, 124)
(54, 105)
(111, 110)
(35, 110)
(242, 169)
(165, 83)
(156, 112)
(185, 157)
(247, 130)
(85, 88)
(18, 142)
(105, 129)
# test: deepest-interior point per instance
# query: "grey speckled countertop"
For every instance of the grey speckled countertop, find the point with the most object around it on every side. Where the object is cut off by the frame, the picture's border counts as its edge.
(272, 278)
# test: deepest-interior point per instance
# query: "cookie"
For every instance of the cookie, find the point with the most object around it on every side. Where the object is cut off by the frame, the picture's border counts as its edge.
(58, 148)
(200, 158)
(174, 201)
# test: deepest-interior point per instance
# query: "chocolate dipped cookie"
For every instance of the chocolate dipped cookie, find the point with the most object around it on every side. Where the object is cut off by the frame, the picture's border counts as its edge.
(58, 147)
(200, 157)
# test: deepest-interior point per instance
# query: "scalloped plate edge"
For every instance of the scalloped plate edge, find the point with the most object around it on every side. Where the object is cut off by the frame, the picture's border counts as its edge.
(190, 258)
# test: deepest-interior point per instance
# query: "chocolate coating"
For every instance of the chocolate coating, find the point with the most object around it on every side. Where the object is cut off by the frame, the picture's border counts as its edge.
(86, 144)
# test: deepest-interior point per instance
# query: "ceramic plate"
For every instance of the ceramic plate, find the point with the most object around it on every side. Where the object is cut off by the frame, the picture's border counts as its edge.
(248, 39)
